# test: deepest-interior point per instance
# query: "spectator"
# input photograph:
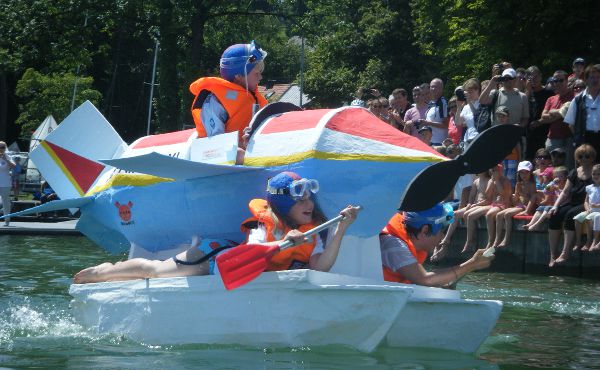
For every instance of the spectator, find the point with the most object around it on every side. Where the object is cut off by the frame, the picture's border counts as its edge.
(415, 115)
(510, 162)
(523, 203)
(550, 194)
(399, 105)
(358, 100)
(583, 114)
(521, 82)
(507, 96)
(47, 194)
(559, 157)
(379, 107)
(437, 113)
(537, 95)
(578, 69)
(591, 213)
(570, 203)
(454, 132)
(16, 177)
(499, 190)
(559, 134)
(425, 135)
(543, 168)
(468, 108)
(6, 164)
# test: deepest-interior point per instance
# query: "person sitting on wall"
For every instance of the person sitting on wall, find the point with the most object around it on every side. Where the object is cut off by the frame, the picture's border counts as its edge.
(407, 240)
(227, 104)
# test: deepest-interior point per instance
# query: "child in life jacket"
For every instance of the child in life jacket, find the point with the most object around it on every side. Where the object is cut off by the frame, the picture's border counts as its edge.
(523, 202)
(410, 236)
(550, 194)
(228, 103)
(288, 211)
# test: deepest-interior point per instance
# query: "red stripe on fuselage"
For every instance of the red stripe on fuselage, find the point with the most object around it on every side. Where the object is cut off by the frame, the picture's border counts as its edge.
(362, 123)
(169, 138)
(294, 121)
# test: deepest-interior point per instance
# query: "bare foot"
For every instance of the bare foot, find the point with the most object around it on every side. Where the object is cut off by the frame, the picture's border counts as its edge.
(467, 248)
(502, 245)
(90, 274)
(552, 262)
(440, 252)
(575, 248)
(585, 248)
(561, 259)
(525, 227)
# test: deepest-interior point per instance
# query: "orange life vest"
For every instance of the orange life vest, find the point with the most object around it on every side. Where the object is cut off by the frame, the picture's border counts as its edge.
(395, 227)
(236, 100)
(299, 254)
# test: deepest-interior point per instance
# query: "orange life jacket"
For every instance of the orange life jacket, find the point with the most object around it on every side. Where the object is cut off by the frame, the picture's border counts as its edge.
(236, 100)
(395, 227)
(297, 255)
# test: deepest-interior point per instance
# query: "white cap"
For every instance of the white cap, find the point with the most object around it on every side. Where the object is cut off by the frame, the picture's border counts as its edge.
(525, 165)
(509, 72)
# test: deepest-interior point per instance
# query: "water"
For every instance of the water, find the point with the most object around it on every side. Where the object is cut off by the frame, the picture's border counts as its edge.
(547, 322)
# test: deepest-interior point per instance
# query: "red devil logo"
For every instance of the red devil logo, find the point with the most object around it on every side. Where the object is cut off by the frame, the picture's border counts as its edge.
(125, 212)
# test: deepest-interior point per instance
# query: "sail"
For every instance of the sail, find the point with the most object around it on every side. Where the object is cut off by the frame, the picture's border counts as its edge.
(46, 127)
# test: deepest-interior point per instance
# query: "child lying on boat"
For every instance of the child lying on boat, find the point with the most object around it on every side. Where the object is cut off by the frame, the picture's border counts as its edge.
(288, 211)
(410, 236)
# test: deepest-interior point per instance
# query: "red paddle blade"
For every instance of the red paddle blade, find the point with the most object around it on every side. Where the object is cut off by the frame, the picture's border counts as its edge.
(244, 263)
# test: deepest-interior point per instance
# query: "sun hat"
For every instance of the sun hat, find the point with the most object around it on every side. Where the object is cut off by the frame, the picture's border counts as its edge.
(525, 166)
(509, 72)
(578, 61)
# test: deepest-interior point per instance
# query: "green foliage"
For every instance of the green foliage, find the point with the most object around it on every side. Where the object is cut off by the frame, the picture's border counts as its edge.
(50, 94)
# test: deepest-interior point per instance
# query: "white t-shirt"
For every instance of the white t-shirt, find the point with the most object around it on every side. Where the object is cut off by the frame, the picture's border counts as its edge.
(5, 180)
(395, 253)
(592, 107)
(434, 115)
(468, 118)
(593, 192)
(259, 236)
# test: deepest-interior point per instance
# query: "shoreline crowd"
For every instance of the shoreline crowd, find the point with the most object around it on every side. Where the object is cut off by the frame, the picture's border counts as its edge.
(549, 176)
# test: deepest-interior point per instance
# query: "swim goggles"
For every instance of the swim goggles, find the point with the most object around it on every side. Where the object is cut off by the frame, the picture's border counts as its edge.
(448, 218)
(254, 54)
(298, 189)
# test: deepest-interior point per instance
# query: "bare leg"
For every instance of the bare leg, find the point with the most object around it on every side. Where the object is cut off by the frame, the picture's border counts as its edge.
(596, 244)
(508, 217)
(141, 268)
(578, 232)
(499, 229)
(553, 239)
(490, 218)
(471, 218)
(566, 252)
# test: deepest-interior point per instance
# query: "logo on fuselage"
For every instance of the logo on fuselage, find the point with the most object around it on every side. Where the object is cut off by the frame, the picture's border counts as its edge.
(125, 212)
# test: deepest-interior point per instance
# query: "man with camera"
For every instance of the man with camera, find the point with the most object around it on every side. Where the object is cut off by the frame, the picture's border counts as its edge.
(507, 95)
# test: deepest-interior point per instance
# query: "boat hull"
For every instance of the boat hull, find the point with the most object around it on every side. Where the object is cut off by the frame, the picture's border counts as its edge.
(279, 309)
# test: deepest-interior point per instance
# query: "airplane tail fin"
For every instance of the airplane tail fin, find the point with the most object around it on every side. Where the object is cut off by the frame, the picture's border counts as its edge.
(68, 157)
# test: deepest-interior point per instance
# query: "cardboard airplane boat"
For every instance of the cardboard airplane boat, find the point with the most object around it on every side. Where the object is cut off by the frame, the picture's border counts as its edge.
(151, 197)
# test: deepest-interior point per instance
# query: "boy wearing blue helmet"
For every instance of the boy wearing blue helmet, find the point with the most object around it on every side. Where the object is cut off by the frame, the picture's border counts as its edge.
(409, 237)
(227, 104)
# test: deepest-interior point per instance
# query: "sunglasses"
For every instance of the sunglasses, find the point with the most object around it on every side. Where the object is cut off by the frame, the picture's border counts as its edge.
(2, 147)
(578, 87)
(559, 80)
(542, 157)
(584, 156)
(376, 106)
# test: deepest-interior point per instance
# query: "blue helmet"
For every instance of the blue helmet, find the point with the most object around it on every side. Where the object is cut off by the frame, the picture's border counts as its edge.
(240, 59)
(438, 217)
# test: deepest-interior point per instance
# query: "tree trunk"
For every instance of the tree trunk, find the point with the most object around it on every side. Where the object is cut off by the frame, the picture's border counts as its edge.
(3, 106)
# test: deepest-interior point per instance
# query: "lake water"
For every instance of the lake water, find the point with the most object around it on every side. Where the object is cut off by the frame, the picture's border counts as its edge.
(547, 322)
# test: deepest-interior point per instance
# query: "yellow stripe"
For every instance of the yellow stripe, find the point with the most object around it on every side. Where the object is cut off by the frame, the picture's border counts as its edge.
(297, 157)
(128, 179)
(62, 167)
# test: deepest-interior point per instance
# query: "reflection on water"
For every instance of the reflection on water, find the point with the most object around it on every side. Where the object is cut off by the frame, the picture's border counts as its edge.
(547, 322)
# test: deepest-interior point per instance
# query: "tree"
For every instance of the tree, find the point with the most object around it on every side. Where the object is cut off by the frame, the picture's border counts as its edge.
(50, 94)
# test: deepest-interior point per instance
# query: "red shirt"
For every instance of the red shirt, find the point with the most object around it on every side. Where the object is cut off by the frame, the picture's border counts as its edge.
(558, 129)
(454, 132)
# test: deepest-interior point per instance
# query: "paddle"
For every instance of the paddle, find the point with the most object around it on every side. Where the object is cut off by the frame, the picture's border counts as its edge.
(244, 263)
(435, 182)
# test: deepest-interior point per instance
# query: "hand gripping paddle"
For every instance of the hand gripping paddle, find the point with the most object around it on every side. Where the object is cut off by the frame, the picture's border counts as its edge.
(244, 263)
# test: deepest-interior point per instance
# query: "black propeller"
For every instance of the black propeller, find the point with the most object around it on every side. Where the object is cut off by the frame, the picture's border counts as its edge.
(435, 182)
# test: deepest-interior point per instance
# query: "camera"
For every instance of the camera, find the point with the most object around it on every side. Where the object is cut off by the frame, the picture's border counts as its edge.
(499, 67)
(460, 94)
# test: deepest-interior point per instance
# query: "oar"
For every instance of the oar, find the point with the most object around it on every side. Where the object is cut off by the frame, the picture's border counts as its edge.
(244, 263)
(435, 182)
